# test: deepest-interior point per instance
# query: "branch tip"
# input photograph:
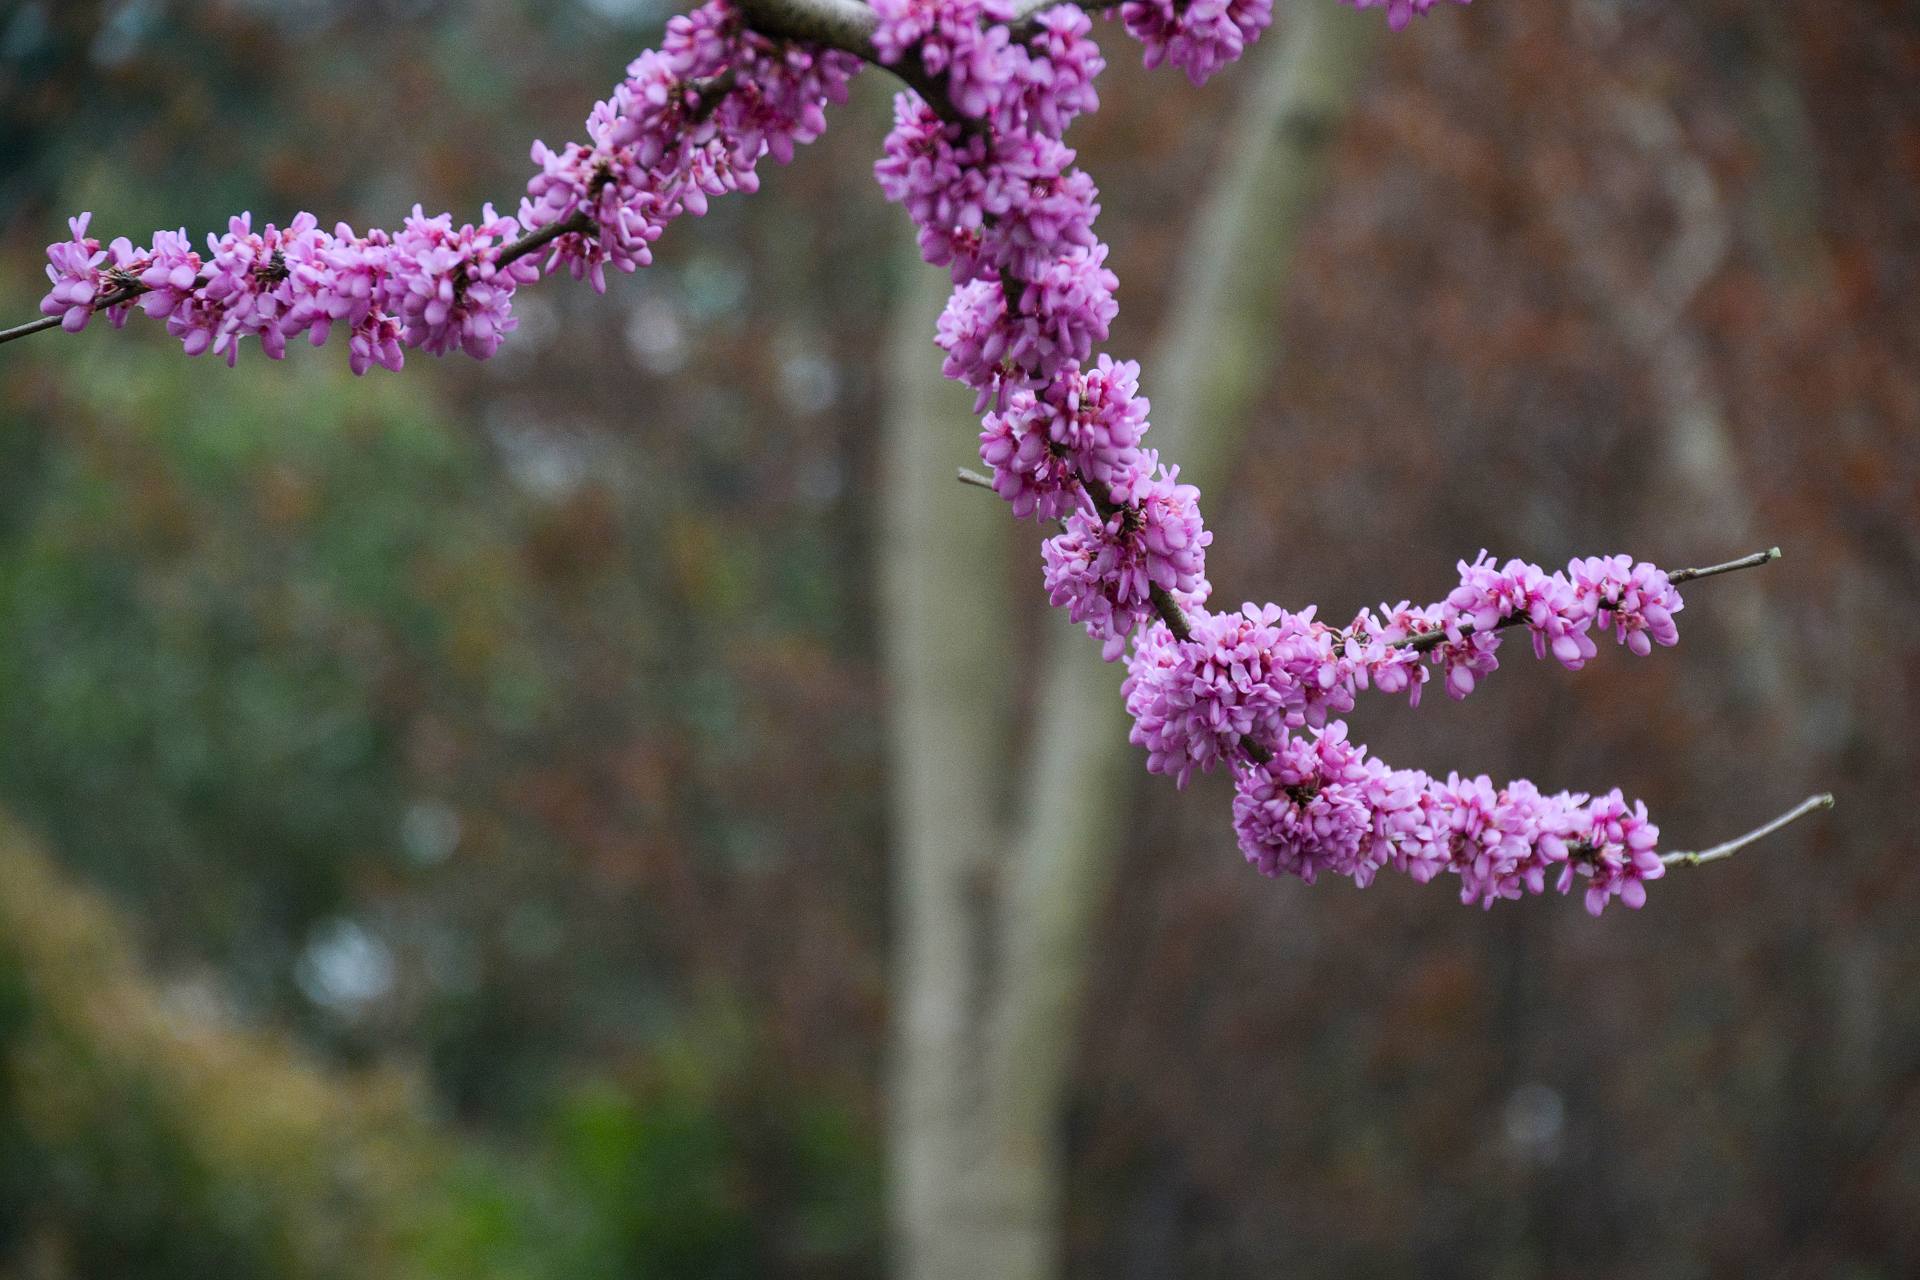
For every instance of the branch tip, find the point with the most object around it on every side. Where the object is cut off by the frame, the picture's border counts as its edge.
(1812, 803)
(1754, 561)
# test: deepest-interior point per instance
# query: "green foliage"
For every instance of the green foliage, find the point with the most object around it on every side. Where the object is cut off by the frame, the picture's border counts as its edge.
(141, 1133)
(218, 600)
(700, 1170)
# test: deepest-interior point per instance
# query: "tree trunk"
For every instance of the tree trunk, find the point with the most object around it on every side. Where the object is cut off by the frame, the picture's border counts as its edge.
(947, 650)
(987, 1021)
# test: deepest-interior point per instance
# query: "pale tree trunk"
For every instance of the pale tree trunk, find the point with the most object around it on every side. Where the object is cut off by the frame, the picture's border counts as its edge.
(946, 640)
(994, 923)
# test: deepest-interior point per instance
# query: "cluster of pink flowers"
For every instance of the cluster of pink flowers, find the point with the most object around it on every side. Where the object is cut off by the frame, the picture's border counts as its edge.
(1634, 601)
(1320, 804)
(277, 284)
(1248, 688)
(1262, 672)
(999, 202)
(1105, 566)
(1251, 675)
(1039, 82)
(1086, 422)
(1400, 12)
(691, 121)
(1197, 36)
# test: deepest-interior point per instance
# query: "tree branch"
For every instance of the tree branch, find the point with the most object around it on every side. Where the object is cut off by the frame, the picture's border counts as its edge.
(1753, 561)
(846, 25)
(1735, 845)
(1434, 639)
(31, 327)
(1170, 612)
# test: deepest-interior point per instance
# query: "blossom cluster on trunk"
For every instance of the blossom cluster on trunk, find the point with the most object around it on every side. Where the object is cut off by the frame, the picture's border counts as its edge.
(980, 164)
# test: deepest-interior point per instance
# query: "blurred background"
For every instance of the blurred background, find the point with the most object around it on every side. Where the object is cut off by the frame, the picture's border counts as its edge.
(621, 810)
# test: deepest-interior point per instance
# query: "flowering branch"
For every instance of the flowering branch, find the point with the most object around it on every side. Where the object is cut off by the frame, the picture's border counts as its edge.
(1433, 639)
(977, 159)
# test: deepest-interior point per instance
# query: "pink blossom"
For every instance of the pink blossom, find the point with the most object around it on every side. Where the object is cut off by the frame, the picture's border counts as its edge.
(1311, 808)
(447, 287)
(1376, 653)
(964, 41)
(1465, 656)
(83, 273)
(243, 293)
(1027, 472)
(1063, 311)
(1042, 208)
(1103, 568)
(974, 333)
(1199, 36)
(1399, 12)
(1096, 418)
(1194, 700)
(171, 274)
(1635, 601)
(1056, 82)
(1011, 203)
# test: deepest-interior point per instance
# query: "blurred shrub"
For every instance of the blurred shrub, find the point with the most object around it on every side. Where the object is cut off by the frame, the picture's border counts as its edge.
(143, 1134)
(699, 1167)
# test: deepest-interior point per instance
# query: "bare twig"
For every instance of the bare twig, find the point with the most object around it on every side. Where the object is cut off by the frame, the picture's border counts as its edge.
(1735, 845)
(1753, 561)
(32, 326)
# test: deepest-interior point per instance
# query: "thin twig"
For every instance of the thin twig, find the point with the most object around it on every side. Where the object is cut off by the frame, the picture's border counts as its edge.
(32, 326)
(1753, 561)
(534, 241)
(106, 302)
(1735, 845)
